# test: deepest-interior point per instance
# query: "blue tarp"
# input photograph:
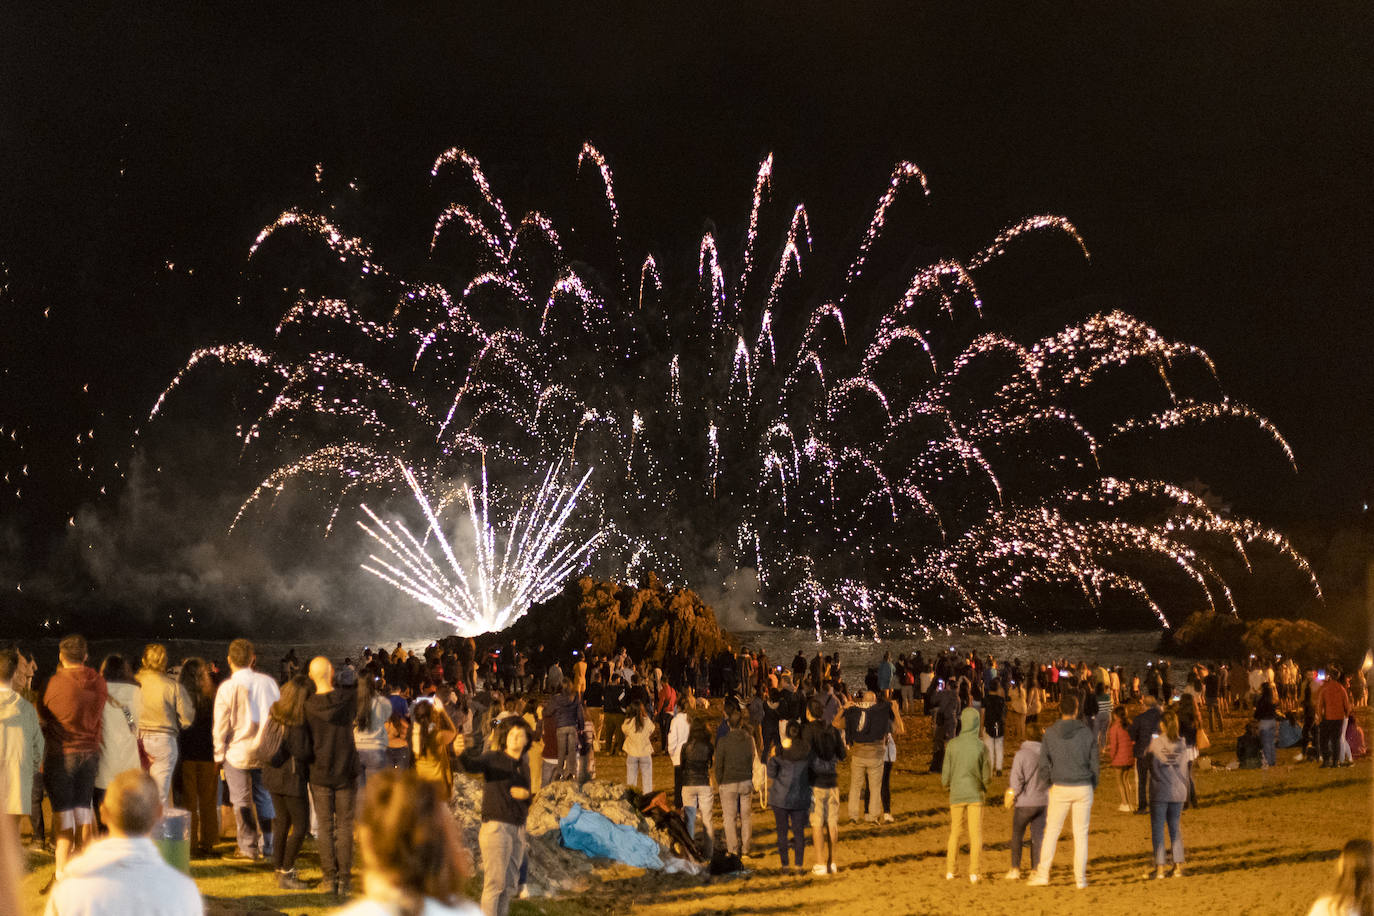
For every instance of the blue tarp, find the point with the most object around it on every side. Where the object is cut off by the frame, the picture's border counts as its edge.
(597, 835)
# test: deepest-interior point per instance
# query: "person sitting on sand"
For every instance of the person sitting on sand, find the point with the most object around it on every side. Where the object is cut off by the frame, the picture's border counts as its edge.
(1249, 749)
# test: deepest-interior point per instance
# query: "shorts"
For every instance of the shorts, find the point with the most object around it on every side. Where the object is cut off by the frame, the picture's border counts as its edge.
(70, 779)
(825, 807)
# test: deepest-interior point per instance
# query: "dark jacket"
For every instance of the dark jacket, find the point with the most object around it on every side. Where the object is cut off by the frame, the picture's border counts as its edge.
(288, 770)
(566, 711)
(735, 757)
(697, 758)
(867, 725)
(330, 719)
(501, 773)
(1143, 729)
(789, 780)
(826, 747)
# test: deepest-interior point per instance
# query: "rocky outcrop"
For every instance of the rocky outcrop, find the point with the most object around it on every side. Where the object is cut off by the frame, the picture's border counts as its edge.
(1224, 636)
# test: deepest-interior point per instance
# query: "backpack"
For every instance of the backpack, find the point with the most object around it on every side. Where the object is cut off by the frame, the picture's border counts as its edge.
(268, 748)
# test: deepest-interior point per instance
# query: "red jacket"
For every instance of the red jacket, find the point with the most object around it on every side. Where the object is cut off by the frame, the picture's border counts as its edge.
(1120, 747)
(72, 706)
(1333, 701)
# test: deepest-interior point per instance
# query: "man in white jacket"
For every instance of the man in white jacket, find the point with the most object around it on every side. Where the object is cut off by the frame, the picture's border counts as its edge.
(241, 704)
(124, 873)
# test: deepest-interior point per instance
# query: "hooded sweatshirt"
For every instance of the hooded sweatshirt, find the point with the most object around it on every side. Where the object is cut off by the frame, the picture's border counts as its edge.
(73, 706)
(1068, 755)
(1027, 784)
(330, 719)
(21, 748)
(967, 770)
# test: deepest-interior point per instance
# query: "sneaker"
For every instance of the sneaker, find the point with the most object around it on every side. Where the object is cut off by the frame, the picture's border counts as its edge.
(1013, 875)
(287, 880)
(524, 892)
(887, 818)
(238, 855)
(832, 868)
(1125, 808)
(1035, 880)
(1082, 885)
(972, 879)
(819, 870)
(949, 876)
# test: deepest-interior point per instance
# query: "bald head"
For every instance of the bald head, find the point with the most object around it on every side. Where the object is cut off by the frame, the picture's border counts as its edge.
(131, 806)
(322, 673)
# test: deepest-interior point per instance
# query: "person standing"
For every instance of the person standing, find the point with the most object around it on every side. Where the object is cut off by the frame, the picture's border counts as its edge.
(1030, 798)
(118, 728)
(789, 793)
(827, 749)
(1333, 708)
(1121, 756)
(284, 773)
(698, 795)
(21, 746)
(734, 768)
(334, 770)
(1016, 711)
(1143, 729)
(966, 772)
(242, 703)
(613, 739)
(164, 709)
(505, 806)
(1069, 763)
(431, 735)
(995, 725)
(1169, 764)
(72, 711)
(568, 717)
(1267, 714)
(196, 750)
(679, 728)
(639, 749)
(369, 729)
(866, 725)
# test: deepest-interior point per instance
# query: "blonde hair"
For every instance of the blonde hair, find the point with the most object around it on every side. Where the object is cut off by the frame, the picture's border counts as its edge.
(155, 657)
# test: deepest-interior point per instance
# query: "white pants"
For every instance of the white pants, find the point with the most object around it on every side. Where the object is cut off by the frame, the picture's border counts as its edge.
(1064, 801)
(995, 751)
(643, 767)
(162, 751)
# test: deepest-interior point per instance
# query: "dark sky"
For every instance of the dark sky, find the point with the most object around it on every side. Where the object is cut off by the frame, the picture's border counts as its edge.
(1216, 160)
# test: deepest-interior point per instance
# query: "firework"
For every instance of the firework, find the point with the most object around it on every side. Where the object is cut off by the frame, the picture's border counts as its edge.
(870, 459)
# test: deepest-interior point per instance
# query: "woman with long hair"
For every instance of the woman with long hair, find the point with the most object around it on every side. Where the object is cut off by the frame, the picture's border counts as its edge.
(639, 749)
(369, 728)
(118, 728)
(1121, 755)
(1353, 894)
(1267, 714)
(698, 795)
(284, 740)
(505, 770)
(1169, 775)
(164, 709)
(431, 733)
(414, 863)
(196, 748)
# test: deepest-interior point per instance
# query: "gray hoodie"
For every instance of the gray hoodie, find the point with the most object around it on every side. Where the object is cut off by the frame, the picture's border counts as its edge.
(1030, 787)
(1068, 755)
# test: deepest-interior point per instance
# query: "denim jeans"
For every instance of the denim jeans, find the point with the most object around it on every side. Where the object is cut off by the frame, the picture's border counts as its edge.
(253, 810)
(567, 752)
(639, 769)
(334, 811)
(161, 749)
(700, 799)
(503, 851)
(735, 799)
(1160, 813)
(1267, 728)
(373, 761)
(1021, 818)
(791, 821)
(1066, 801)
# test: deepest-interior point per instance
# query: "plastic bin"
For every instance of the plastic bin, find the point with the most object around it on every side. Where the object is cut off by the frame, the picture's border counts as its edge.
(172, 836)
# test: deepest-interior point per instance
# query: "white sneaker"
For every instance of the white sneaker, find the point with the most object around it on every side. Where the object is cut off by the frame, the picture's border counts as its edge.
(833, 868)
(972, 879)
(949, 876)
(819, 870)
(1013, 875)
(1125, 808)
(1035, 880)
(887, 818)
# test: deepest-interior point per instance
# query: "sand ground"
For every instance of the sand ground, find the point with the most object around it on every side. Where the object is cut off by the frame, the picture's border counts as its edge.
(1261, 842)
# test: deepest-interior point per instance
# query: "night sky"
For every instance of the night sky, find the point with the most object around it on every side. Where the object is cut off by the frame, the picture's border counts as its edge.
(1217, 162)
